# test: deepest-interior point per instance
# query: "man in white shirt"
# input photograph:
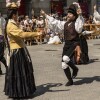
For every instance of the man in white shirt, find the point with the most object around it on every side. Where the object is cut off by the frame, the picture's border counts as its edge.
(72, 28)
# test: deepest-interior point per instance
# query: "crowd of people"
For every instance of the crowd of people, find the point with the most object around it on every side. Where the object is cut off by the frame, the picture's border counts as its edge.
(40, 23)
(19, 78)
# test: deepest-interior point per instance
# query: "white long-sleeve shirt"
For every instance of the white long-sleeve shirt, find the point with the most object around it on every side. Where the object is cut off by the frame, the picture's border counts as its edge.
(58, 26)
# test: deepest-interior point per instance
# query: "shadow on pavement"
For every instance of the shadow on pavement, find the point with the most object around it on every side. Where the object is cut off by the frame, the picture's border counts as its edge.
(94, 60)
(86, 80)
(89, 62)
(42, 89)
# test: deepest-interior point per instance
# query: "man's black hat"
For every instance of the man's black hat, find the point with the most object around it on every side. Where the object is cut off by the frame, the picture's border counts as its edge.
(72, 9)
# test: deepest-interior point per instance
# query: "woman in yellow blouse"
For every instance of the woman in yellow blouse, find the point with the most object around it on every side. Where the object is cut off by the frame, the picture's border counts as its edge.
(19, 80)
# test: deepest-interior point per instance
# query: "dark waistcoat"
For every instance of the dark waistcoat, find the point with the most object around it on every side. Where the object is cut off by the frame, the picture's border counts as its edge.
(70, 34)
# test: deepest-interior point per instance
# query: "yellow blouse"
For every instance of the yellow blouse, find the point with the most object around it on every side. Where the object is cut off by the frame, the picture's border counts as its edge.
(16, 35)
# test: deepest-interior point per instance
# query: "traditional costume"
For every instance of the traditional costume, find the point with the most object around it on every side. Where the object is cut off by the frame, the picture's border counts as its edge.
(71, 37)
(19, 80)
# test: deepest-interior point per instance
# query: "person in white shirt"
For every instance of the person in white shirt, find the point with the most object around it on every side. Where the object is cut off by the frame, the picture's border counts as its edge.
(71, 28)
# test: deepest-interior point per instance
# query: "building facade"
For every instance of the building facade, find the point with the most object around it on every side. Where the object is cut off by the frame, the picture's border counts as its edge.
(51, 6)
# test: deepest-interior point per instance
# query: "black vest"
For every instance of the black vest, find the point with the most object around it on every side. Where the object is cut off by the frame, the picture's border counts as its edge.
(70, 34)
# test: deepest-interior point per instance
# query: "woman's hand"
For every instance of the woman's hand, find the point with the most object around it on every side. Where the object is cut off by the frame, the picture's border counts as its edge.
(39, 33)
(36, 34)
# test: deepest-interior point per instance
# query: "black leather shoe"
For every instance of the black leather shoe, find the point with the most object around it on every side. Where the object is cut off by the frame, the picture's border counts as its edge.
(69, 83)
(75, 72)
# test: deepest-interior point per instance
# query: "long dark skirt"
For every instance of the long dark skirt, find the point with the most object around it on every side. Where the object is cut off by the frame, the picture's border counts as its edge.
(19, 80)
(84, 48)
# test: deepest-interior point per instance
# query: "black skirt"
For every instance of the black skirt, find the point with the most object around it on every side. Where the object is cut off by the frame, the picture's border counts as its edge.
(19, 80)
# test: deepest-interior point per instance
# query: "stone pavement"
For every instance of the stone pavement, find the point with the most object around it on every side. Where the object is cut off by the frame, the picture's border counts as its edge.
(50, 78)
